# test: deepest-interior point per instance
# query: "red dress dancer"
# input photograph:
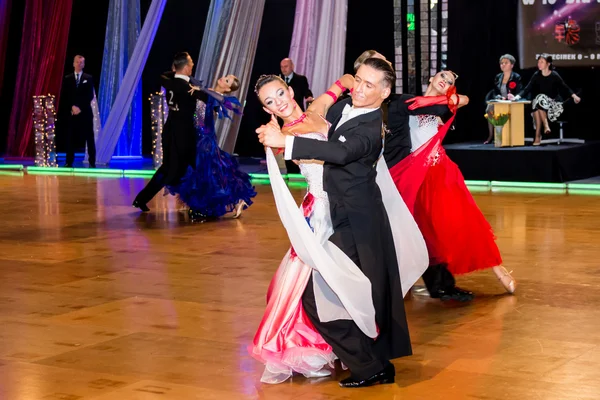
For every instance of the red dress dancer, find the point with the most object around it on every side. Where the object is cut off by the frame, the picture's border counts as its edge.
(434, 190)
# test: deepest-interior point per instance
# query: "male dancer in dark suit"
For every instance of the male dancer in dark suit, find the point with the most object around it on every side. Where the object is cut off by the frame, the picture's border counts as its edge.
(179, 135)
(76, 111)
(439, 281)
(301, 93)
(360, 222)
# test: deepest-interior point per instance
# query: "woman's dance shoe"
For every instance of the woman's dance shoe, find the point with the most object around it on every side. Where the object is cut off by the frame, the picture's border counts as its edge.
(239, 208)
(506, 279)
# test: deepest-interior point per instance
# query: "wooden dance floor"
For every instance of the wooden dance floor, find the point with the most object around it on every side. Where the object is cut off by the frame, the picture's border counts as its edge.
(98, 301)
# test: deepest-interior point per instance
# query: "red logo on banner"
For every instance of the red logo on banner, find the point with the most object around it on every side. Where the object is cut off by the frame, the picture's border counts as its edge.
(567, 32)
(559, 32)
(573, 30)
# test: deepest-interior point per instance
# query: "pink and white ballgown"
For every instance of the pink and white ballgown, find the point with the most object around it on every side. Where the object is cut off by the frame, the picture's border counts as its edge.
(286, 341)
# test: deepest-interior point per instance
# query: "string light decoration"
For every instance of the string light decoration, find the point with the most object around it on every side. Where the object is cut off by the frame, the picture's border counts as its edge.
(159, 111)
(96, 123)
(44, 120)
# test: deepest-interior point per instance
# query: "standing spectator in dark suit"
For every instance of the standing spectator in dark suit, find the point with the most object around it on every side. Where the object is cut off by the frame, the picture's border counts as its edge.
(76, 111)
(297, 82)
(301, 93)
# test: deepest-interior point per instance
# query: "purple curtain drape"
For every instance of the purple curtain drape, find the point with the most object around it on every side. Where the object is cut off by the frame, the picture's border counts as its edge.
(319, 41)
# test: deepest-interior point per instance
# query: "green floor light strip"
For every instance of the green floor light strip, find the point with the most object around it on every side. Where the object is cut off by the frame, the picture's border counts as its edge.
(138, 173)
(295, 177)
(12, 167)
(528, 190)
(103, 171)
(538, 185)
(11, 173)
(583, 186)
(298, 181)
(97, 175)
(478, 183)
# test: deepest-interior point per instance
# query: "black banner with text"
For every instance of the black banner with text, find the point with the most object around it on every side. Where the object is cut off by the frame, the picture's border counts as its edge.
(568, 30)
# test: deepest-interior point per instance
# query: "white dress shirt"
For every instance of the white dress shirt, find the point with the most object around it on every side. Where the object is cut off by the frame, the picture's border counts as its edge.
(288, 78)
(348, 113)
(184, 77)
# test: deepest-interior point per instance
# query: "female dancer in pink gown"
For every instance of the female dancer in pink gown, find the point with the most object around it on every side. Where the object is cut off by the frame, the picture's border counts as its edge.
(286, 341)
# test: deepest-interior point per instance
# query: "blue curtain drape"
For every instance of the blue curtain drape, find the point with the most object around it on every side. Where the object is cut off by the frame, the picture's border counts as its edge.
(119, 112)
(122, 32)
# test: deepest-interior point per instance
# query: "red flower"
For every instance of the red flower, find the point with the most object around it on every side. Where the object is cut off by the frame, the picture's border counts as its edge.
(512, 85)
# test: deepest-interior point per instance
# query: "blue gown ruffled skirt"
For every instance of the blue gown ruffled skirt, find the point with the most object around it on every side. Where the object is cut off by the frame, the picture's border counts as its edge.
(216, 185)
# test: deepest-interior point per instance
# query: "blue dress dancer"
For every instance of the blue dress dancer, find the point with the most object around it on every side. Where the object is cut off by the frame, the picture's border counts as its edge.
(216, 186)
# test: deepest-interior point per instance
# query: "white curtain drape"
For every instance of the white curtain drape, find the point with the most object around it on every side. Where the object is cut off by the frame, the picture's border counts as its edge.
(228, 47)
(319, 41)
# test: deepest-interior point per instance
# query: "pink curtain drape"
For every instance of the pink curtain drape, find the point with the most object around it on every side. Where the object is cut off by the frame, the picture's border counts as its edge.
(40, 71)
(319, 41)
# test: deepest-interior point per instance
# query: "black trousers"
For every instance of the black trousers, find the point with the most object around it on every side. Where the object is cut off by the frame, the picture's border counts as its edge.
(81, 126)
(355, 349)
(152, 188)
(291, 167)
(437, 277)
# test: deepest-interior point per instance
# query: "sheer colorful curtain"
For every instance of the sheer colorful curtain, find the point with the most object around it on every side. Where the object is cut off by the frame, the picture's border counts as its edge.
(319, 41)
(40, 70)
(122, 32)
(228, 47)
(111, 132)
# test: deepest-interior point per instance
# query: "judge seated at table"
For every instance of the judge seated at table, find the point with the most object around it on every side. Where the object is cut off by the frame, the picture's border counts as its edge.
(507, 85)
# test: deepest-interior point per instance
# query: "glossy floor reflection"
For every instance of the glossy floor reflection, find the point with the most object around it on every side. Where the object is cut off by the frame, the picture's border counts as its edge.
(98, 301)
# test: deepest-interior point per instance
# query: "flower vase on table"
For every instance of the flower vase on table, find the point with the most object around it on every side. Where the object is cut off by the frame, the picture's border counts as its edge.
(498, 122)
(498, 135)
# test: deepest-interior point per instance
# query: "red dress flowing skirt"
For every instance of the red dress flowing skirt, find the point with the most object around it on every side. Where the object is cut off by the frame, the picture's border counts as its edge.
(434, 190)
(455, 231)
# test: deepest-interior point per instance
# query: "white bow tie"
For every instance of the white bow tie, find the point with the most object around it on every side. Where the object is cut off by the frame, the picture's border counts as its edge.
(347, 109)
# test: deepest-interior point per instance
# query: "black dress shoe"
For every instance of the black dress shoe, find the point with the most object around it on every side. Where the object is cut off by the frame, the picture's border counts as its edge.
(92, 165)
(141, 206)
(454, 293)
(68, 166)
(386, 375)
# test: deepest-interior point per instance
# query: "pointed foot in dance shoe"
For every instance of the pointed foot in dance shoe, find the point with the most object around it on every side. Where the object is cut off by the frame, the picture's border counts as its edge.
(386, 375)
(323, 372)
(141, 206)
(454, 293)
(239, 208)
(509, 283)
